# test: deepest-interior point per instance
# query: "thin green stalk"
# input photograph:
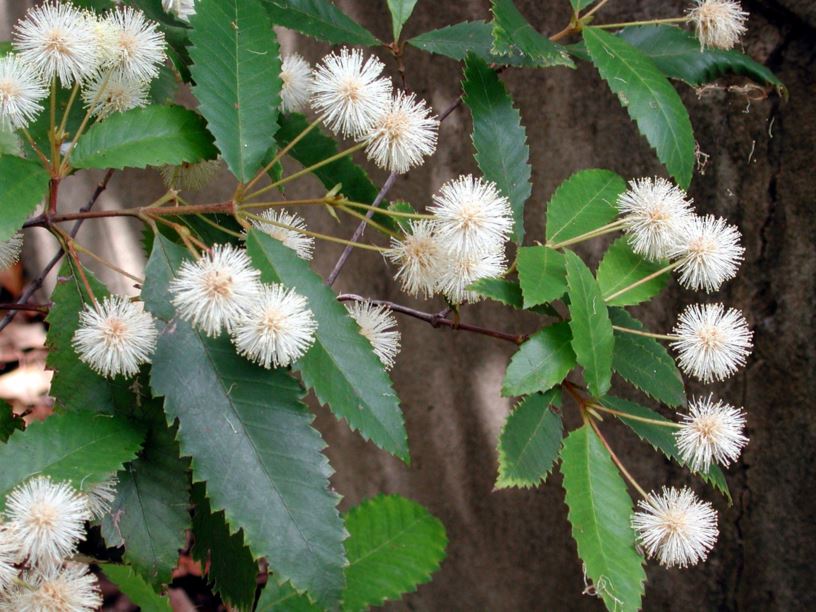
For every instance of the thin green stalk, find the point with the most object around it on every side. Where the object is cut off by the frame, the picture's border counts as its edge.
(385, 211)
(377, 226)
(638, 332)
(63, 167)
(606, 229)
(629, 24)
(219, 227)
(643, 280)
(635, 417)
(617, 461)
(67, 112)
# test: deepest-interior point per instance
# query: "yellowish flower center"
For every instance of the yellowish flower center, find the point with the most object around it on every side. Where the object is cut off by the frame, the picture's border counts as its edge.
(218, 283)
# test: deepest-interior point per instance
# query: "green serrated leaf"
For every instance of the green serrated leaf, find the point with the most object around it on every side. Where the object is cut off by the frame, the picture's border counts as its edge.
(341, 366)
(236, 68)
(283, 598)
(163, 88)
(579, 5)
(512, 33)
(541, 362)
(645, 363)
(250, 439)
(232, 570)
(499, 137)
(394, 545)
(592, 338)
(457, 40)
(600, 510)
(150, 514)
(621, 267)
(584, 202)
(649, 98)
(400, 13)
(9, 422)
(319, 19)
(82, 448)
(505, 291)
(542, 275)
(150, 136)
(529, 442)
(23, 185)
(135, 588)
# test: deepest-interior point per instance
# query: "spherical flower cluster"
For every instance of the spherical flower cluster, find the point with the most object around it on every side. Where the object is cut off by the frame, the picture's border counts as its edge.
(296, 81)
(183, 9)
(719, 24)
(113, 92)
(21, 92)
(10, 251)
(712, 431)
(708, 251)
(379, 327)
(68, 588)
(287, 228)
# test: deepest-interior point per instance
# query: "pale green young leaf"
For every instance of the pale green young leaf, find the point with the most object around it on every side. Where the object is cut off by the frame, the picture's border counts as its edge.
(649, 98)
(505, 291)
(457, 40)
(512, 33)
(236, 69)
(400, 12)
(541, 362)
(542, 275)
(621, 267)
(319, 19)
(23, 185)
(529, 442)
(135, 588)
(600, 511)
(592, 338)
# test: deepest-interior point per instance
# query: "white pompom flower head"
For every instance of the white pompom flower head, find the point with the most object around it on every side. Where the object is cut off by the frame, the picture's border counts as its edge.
(712, 343)
(719, 24)
(100, 497)
(213, 292)
(64, 588)
(675, 527)
(419, 258)
(183, 9)
(290, 236)
(9, 556)
(137, 45)
(107, 93)
(349, 93)
(379, 327)
(277, 328)
(10, 250)
(403, 136)
(21, 92)
(711, 432)
(296, 79)
(654, 213)
(709, 253)
(459, 271)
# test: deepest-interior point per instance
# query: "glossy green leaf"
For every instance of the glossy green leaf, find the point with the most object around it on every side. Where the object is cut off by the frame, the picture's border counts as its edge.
(584, 202)
(512, 33)
(283, 598)
(592, 338)
(579, 5)
(135, 588)
(457, 40)
(163, 88)
(600, 511)
(645, 363)
(529, 442)
(9, 422)
(250, 439)
(23, 185)
(621, 267)
(341, 366)
(499, 137)
(649, 98)
(541, 362)
(394, 545)
(542, 275)
(150, 136)
(236, 68)
(82, 448)
(499, 289)
(400, 12)
(319, 19)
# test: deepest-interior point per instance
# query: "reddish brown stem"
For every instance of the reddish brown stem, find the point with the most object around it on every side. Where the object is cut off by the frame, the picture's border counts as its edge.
(30, 307)
(53, 195)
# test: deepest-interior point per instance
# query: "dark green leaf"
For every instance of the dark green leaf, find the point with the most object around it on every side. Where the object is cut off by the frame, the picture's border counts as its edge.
(529, 442)
(135, 588)
(82, 448)
(542, 275)
(23, 185)
(504, 291)
(621, 267)
(584, 202)
(250, 439)
(645, 363)
(400, 12)
(540, 363)
(394, 545)
(456, 41)
(9, 422)
(599, 511)
(649, 98)
(236, 68)
(592, 338)
(283, 598)
(151, 136)
(499, 137)
(320, 19)
(579, 5)
(512, 34)
(164, 87)
(341, 366)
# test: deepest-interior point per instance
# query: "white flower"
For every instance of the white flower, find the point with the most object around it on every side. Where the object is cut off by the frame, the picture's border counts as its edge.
(460, 270)
(107, 93)
(20, 93)
(712, 431)
(718, 23)
(419, 258)
(654, 213)
(56, 40)
(47, 518)
(348, 92)
(710, 251)
(183, 9)
(10, 250)
(403, 136)
(379, 327)
(299, 242)
(277, 328)
(471, 216)
(71, 588)
(115, 337)
(137, 49)
(296, 75)
(711, 343)
(9, 556)
(100, 497)
(190, 177)
(213, 292)
(675, 527)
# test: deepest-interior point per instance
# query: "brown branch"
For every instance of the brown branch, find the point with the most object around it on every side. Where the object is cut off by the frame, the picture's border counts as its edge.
(45, 220)
(30, 307)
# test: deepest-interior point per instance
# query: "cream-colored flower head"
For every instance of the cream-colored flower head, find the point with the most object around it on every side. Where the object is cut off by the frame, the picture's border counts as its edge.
(21, 92)
(419, 258)
(296, 77)
(710, 252)
(9, 557)
(100, 497)
(68, 588)
(107, 93)
(273, 225)
(137, 44)
(10, 250)
(459, 271)
(379, 327)
(718, 23)
(712, 431)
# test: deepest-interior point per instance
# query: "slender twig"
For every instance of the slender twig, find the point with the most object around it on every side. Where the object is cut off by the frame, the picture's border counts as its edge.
(644, 280)
(31, 307)
(634, 417)
(638, 332)
(617, 461)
